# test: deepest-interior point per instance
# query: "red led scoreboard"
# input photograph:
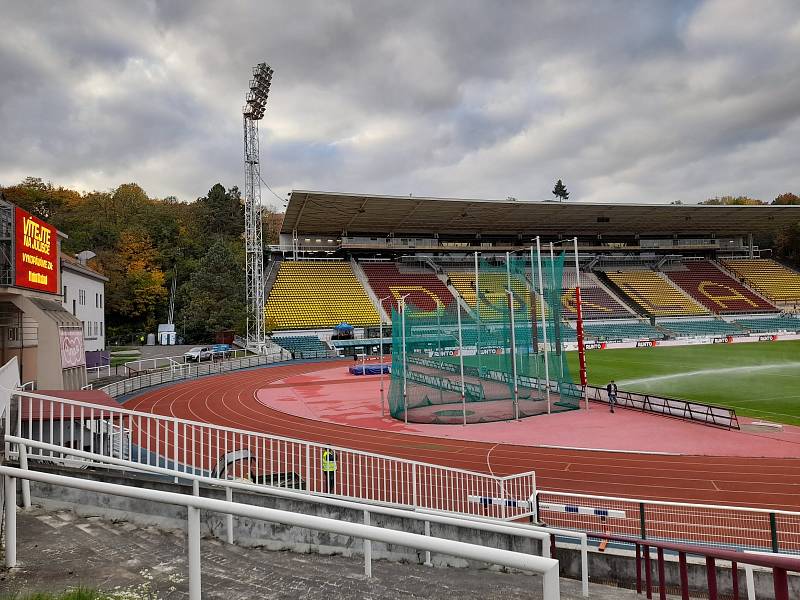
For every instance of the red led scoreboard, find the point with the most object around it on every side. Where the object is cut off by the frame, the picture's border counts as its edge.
(36, 253)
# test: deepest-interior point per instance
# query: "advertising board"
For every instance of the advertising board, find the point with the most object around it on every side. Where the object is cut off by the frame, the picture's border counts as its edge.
(36, 253)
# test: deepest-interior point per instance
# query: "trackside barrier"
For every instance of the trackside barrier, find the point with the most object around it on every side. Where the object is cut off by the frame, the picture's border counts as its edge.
(199, 448)
(779, 565)
(545, 535)
(165, 362)
(546, 567)
(177, 371)
(703, 524)
(698, 412)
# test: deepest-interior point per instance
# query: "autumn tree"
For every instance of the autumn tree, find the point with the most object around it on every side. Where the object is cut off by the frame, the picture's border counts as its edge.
(732, 201)
(135, 289)
(787, 199)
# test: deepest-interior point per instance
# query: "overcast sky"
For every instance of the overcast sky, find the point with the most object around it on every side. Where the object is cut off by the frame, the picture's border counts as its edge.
(625, 101)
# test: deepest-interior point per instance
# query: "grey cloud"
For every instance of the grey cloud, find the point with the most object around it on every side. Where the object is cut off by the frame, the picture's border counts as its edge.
(625, 101)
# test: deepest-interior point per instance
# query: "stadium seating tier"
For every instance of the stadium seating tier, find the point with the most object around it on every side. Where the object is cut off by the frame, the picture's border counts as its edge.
(772, 279)
(314, 294)
(303, 346)
(715, 290)
(424, 289)
(654, 294)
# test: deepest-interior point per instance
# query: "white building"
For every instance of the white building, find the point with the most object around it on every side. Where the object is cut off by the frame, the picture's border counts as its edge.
(83, 295)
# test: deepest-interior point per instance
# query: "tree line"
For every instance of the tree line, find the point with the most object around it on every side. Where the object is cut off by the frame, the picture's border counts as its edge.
(143, 243)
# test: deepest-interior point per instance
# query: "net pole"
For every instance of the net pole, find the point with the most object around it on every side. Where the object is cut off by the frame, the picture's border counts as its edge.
(544, 325)
(383, 406)
(478, 315)
(533, 320)
(513, 354)
(405, 361)
(556, 318)
(512, 337)
(439, 342)
(579, 325)
(461, 364)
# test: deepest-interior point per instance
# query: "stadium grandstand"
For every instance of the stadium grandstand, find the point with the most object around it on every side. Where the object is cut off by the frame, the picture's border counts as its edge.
(647, 272)
(777, 282)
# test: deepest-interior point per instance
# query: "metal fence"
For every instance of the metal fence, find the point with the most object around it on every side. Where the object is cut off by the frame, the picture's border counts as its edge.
(698, 412)
(203, 448)
(546, 567)
(776, 531)
(175, 371)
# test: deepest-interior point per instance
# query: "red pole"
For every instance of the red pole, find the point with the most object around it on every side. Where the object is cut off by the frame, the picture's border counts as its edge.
(780, 583)
(684, 576)
(662, 585)
(552, 545)
(735, 577)
(711, 574)
(647, 578)
(581, 349)
(638, 569)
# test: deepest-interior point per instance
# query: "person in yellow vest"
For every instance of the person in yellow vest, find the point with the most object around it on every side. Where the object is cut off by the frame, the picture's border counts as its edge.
(329, 470)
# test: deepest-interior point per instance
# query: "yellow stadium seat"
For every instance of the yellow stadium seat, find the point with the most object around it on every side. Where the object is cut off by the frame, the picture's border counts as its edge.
(316, 294)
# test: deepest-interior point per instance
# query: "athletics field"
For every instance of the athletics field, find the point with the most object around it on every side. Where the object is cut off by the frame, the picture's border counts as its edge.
(759, 379)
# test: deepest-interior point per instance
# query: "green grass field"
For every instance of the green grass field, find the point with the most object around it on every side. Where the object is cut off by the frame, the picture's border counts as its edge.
(759, 380)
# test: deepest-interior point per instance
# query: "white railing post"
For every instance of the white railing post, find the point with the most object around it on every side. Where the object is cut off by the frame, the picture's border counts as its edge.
(195, 487)
(550, 584)
(26, 485)
(414, 484)
(175, 444)
(428, 562)
(11, 521)
(193, 540)
(367, 549)
(229, 516)
(308, 467)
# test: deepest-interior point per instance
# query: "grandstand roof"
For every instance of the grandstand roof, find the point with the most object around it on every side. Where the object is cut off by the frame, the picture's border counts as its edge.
(312, 212)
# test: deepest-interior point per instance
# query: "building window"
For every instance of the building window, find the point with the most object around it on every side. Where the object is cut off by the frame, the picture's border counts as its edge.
(101, 328)
(82, 297)
(101, 300)
(65, 293)
(97, 300)
(13, 334)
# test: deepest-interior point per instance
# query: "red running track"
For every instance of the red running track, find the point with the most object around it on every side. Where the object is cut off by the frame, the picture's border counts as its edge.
(230, 400)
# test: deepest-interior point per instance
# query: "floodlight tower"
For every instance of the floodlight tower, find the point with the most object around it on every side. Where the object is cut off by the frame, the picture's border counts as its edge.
(253, 112)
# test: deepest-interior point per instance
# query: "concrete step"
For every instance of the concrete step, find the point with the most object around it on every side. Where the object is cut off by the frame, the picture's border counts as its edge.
(58, 549)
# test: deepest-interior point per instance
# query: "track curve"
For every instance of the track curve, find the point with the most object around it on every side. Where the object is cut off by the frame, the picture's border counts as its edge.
(230, 400)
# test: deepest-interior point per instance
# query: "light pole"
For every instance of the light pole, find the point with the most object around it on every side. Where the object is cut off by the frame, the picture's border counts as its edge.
(253, 112)
(381, 301)
(405, 361)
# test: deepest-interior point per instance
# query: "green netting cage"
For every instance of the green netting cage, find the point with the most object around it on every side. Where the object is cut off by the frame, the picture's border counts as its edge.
(496, 355)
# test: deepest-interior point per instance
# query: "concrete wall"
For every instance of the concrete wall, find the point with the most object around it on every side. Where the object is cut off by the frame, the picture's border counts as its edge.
(613, 567)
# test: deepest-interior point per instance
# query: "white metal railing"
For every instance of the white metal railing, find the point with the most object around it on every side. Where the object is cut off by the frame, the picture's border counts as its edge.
(718, 526)
(544, 535)
(546, 567)
(199, 448)
(166, 362)
(173, 372)
(95, 371)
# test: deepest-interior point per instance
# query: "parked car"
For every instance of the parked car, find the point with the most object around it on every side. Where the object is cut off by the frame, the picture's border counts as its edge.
(198, 353)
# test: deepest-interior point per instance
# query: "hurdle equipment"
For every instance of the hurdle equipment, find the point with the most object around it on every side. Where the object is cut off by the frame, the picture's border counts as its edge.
(583, 510)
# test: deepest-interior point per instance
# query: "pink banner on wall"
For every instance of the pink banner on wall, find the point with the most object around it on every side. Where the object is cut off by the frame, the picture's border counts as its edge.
(72, 354)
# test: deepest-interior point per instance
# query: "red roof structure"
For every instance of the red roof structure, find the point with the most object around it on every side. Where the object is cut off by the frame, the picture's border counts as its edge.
(36, 408)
